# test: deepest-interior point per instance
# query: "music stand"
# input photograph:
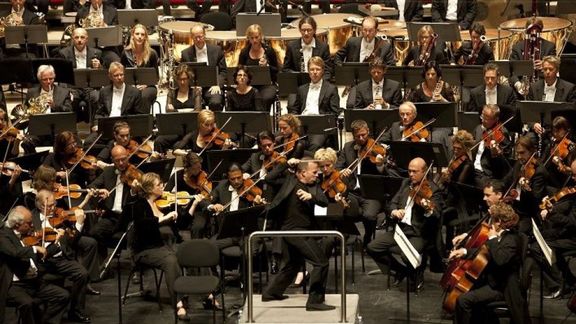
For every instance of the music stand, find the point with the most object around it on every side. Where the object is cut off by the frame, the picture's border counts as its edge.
(351, 73)
(260, 75)
(16, 70)
(204, 75)
(473, 200)
(30, 162)
(447, 31)
(567, 68)
(104, 36)
(52, 124)
(408, 76)
(140, 125)
(377, 120)
(289, 82)
(463, 76)
(379, 187)
(90, 78)
(446, 113)
(146, 76)
(504, 67)
(227, 157)
(63, 68)
(26, 34)
(131, 17)
(245, 121)
(176, 123)
(540, 111)
(522, 67)
(317, 124)
(404, 152)
(163, 168)
(468, 120)
(270, 23)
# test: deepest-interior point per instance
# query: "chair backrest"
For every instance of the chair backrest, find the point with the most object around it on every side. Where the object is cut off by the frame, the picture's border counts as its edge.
(220, 20)
(198, 254)
(525, 279)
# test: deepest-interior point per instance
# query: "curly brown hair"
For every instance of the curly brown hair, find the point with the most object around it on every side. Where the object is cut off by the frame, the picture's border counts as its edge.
(505, 214)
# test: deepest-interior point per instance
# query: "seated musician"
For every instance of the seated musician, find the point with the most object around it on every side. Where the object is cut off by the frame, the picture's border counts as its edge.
(557, 155)
(257, 53)
(10, 142)
(378, 92)
(400, 130)
(494, 146)
(69, 242)
(185, 96)
(45, 98)
(212, 55)
(258, 6)
(65, 155)
(462, 12)
(500, 280)
(150, 4)
(289, 138)
(245, 97)
(139, 54)
(10, 184)
(537, 48)
(416, 208)
(433, 88)
(493, 93)
(123, 138)
(475, 51)
(20, 14)
(429, 49)
(299, 51)
(27, 285)
(349, 172)
(319, 97)
(408, 10)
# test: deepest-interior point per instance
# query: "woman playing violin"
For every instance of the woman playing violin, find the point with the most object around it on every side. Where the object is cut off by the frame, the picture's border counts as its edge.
(65, 152)
(561, 151)
(12, 137)
(207, 137)
(460, 169)
(289, 126)
(433, 89)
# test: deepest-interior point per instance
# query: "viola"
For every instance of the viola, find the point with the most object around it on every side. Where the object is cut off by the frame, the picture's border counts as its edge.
(182, 198)
(79, 157)
(372, 150)
(250, 190)
(548, 203)
(74, 190)
(217, 137)
(333, 185)
(142, 151)
(10, 134)
(453, 166)
(130, 174)
(416, 132)
(8, 168)
(35, 238)
(422, 196)
(273, 160)
(199, 183)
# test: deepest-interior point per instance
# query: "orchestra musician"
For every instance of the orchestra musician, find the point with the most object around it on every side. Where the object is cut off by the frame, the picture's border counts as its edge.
(408, 10)
(293, 208)
(433, 88)
(408, 113)
(245, 97)
(378, 92)
(10, 143)
(212, 55)
(107, 13)
(427, 50)
(123, 138)
(299, 51)
(557, 155)
(65, 153)
(27, 284)
(461, 11)
(185, 96)
(22, 16)
(416, 208)
(501, 278)
(289, 137)
(475, 51)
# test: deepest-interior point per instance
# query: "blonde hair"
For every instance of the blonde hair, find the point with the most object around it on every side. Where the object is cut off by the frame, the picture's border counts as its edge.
(147, 49)
(316, 60)
(254, 29)
(465, 138)
(206, 116)
(146, 183)
(292, 121)
(326, 155)
(425, 29)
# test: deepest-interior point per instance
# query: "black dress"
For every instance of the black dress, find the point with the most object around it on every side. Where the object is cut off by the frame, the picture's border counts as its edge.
(250, 101)
(418, 94)
(189, 103)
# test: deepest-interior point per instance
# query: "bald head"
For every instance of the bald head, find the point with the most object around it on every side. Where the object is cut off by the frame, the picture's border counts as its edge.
(119, 157)
(416, 170)
(198, 35)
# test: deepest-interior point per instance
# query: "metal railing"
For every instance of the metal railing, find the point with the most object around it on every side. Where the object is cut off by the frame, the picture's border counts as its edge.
(261, 234)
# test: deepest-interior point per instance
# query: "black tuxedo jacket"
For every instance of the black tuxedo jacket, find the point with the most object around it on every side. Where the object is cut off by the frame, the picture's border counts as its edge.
(53, 248)
(505, 98)
(347, 155)
(15, 256)
(351, 52)
(328, 101)
(495, 167)
(293, 57)
(485, 53)
(436, 55)
(28, 17)
(565, 91)
(254, 164)
(110, 14)
(465, 12)
(61, 98)
(107, 180)
(394, 133)
(215, 58)
(391, 93)
(131, 102)
(221, 195)
(413, 10)
(68, 53)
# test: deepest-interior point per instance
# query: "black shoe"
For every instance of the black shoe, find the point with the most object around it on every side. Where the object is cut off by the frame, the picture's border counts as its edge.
(398, 278)
(319, 307)
(79, 317)
(92, 291)
(274, 268)
(209, 304)
(267, 298)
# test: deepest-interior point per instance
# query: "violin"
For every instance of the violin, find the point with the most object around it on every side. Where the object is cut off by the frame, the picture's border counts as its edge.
(334, 185)
(74, 190)
(199, 183)
(372, 150)
(250, 190)
(217, 137)
(182, 198)
(10, 134)
(416, 132)
(453, 166)
(493, 138)
(547, 203)
(561, 152)
(422, 196)
(35, 238)
(143, 151)
(130, 174)
(79, 157)
(273, 159)
(290, 143)
(527, 172)
(8, 168)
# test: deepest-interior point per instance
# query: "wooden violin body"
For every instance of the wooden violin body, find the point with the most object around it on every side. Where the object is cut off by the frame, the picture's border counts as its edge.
(199, 183)
(334, 185)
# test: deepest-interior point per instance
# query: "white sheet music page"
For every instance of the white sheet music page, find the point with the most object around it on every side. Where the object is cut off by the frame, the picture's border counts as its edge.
(407, 248)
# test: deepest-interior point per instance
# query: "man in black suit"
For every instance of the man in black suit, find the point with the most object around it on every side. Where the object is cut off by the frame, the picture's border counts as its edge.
(461, 11)
(482, 51)
(294, 207)
(501, 278)
(412, 10)
(299, 51)
(27, 285)
(63, 262)
(418, 221)
(407, 112)
(212, 55)
(377, 92)
(22, 15)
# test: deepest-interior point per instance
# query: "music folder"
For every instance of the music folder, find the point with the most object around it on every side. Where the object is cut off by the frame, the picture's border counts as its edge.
(407, 248)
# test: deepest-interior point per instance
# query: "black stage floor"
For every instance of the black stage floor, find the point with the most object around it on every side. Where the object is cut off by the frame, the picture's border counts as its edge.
(377, 304)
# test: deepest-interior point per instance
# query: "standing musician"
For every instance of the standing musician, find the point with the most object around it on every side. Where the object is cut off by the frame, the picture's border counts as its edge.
(461, 11)
(416, 207)
(27, 286)
(299, 51)
(477, 50)
(427, 50)
(500, 279)
(407, 125)
(289, 126)
(493, 146)
(294, 208)
(433, 89)
(557, 156)
(378, 92)
(212, 55)
(66, 152)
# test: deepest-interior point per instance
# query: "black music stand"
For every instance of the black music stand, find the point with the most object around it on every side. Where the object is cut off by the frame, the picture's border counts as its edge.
(260, 75)
(351, 73)
(462, 76)
(270, 23)
(377, 120)
(468, 120)
(52, 124)
(446, 113)
(176, 123)
(472, 200)
(504, 67)
(104, 36)
(140, 125)
(318, 124)
(64, 69)
(379, 187)
(567, 68)
(91, 78)
(204, 75)
(30, 162)
(447, 31)
(289, 82)
(408, 76)
(163, 168)
(26, 34)
(16, 70)
(404, 152)
(131, 17)
(227, 157)
(245, 121)
(540, 111)
(146, 76)
(522, 68)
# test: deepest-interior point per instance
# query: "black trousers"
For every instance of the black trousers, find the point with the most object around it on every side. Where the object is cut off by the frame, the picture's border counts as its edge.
(87, 254)
(77, 274)
(369, 209)
(385, 252)
(314, 251)
(23, 293)
(469, 305)
(162, 258)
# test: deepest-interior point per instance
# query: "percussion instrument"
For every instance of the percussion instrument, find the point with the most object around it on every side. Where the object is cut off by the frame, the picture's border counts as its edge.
(230, 43)
(339, 30)
(556, 30)
(500, 44)
(279, 44)
(399, 37)
(181, 31)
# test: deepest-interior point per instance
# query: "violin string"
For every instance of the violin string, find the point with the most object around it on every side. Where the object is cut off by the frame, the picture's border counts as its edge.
(85, 153)
(214, 136)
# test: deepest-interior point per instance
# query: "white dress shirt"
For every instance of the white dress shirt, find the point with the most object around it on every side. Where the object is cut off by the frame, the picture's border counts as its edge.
(117, 97)
(401, 7)
(202, 54)
(307, 52)
(234, 200)
(407, 219)
(477, 162)
(377, 89)
(117, 206)
(366, 48)
(549, 91)
(81, 62)
(451, 11)
(313, 99)
(491, 96)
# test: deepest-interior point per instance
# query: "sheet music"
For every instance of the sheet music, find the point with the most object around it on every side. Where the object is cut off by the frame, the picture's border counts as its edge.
(320, 211)
(407, 248)
(548, 253)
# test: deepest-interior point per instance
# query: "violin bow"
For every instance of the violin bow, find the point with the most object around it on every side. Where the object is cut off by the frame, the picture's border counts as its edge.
(11, 126)
(45, 220)
(556, 148)
(491, 132)
(85, 153)
(430, 122)
(291, 141)
(358, 160)
(140, 146)
(214, 136)
(68, 189)
(423, 178)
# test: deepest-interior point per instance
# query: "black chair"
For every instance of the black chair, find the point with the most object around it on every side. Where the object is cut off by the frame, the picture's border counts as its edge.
(197, 254)
(140, 268)
(220, 20)
(351, 8)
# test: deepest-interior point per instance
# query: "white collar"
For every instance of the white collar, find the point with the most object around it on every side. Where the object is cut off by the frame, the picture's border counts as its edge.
(119, 89)
(546, 86)
(312, 43)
